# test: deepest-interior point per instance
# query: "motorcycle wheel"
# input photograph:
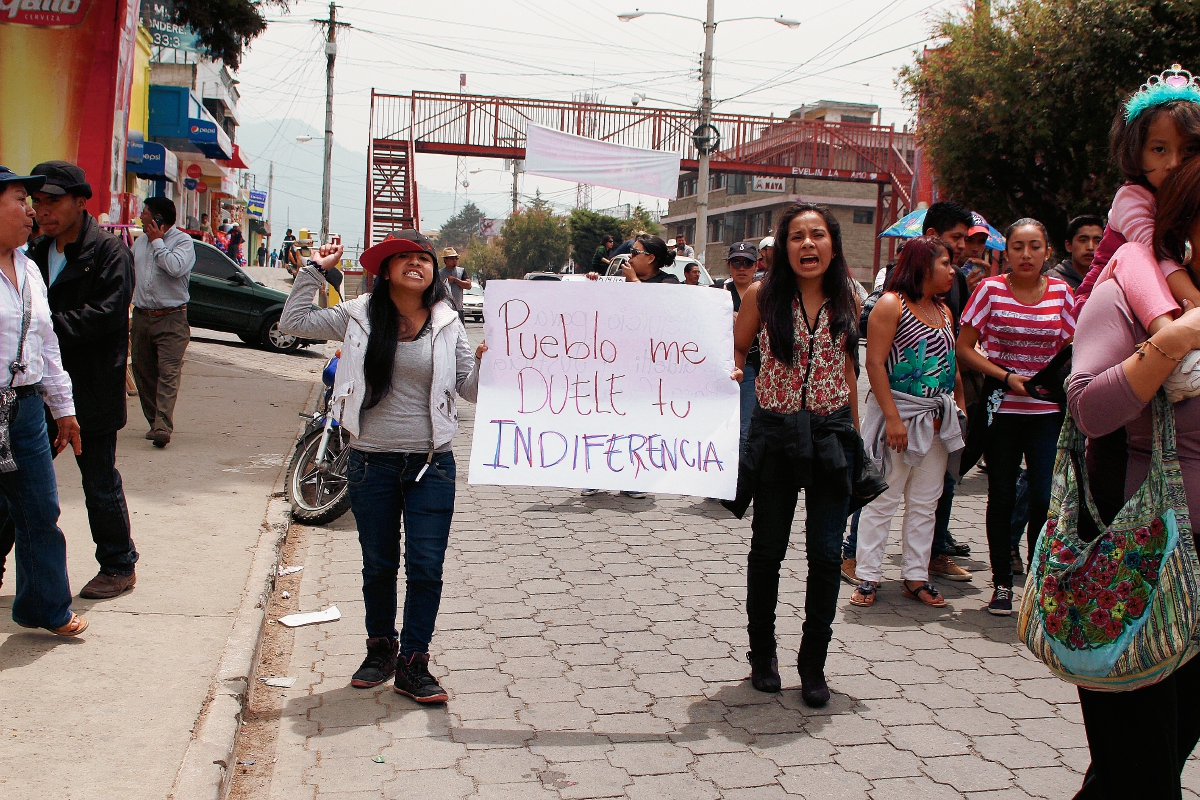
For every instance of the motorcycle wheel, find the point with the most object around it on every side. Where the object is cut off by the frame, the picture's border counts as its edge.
(318, 498)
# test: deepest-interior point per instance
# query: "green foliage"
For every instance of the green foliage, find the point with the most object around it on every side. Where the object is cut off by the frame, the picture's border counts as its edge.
(639, 220)
(1015, 109)
(460, 229)
(535, 240)
(486, 261)
(226, 27)
(587, 229)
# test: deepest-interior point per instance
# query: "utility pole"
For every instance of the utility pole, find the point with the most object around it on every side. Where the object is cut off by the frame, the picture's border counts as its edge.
(516, 170)
(701, 237)
(331, 25)
(270, 203)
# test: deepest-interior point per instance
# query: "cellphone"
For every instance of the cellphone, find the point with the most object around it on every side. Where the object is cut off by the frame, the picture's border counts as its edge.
(158, 220)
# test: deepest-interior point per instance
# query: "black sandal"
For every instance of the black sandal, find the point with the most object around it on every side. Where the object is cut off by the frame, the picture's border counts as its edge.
(935, 598)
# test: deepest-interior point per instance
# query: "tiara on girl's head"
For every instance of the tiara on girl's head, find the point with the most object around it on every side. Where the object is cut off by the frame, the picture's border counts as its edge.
(1175, 83)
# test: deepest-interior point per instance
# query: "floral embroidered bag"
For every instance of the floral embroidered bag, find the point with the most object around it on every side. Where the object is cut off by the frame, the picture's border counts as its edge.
(1119, 612)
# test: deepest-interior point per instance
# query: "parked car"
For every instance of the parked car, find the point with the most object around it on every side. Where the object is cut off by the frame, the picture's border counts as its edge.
(473, 303)
(224, 298)
(542, 276)
(676, 269)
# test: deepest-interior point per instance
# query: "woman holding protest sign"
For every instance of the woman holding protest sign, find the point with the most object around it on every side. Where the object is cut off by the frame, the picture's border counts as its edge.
(405, 356)
(803, 434)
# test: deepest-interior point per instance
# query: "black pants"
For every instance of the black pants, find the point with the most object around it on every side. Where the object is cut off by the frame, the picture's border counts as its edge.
(1140, 740)
(824, 525)
(104, 497)
(1011, 436)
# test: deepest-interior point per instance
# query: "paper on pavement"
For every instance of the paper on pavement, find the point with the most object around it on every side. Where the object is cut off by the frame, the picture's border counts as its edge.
(330, 614)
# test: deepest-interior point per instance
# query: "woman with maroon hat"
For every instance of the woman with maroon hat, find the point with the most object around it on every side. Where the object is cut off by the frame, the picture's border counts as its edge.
(405, 356)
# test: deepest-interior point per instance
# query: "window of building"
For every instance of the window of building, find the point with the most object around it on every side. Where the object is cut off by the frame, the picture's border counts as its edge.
(859, 120)
(864, 216)
(715, 230)
(687, 187)
(755, 226)
(716, 181)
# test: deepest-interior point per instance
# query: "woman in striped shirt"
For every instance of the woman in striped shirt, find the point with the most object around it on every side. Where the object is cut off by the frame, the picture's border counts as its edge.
(1020, 321)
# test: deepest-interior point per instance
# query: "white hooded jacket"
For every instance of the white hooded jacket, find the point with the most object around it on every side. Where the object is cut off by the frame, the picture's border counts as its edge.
(454, 367)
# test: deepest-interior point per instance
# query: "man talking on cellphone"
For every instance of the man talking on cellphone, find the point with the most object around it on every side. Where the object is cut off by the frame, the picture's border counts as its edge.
(163, 258)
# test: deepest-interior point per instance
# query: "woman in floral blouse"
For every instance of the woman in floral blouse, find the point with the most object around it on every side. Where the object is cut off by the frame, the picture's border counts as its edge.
(803, 434)
(914, 382)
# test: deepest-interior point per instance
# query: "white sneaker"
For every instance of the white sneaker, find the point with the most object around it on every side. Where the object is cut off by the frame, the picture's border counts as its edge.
(589, 492)
(1184, 381)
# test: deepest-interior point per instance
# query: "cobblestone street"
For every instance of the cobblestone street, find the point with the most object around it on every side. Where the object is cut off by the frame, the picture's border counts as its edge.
(595, 647)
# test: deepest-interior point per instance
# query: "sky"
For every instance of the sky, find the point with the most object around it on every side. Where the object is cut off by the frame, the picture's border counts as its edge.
(848, 50)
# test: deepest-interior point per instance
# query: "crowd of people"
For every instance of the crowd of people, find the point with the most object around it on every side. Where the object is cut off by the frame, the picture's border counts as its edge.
(67, 336)
(958, 346)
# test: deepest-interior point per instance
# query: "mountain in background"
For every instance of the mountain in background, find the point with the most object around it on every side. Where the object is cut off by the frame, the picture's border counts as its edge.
(298, 168)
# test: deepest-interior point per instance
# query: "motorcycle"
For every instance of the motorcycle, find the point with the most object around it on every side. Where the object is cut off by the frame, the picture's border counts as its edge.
(316, 475)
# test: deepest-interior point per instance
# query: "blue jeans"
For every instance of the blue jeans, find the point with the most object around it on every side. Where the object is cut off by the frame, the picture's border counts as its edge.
(383, 491)
(747, 400)
(30, 497)
(824, 523)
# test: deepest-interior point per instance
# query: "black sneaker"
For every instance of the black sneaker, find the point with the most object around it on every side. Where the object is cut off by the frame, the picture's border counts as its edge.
(764, 673)
(413, 680)
(379, 665)
(957, 548)
(1001, 604)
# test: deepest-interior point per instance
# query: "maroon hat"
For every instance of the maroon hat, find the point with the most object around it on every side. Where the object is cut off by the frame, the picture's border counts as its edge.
(398, 241)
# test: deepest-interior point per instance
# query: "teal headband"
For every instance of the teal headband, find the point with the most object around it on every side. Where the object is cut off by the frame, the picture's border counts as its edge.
(1173, 84)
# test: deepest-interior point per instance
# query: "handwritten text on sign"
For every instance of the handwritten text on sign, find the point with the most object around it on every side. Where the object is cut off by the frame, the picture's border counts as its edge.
(621, 386)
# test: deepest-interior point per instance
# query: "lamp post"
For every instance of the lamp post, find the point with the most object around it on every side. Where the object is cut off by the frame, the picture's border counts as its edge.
(705, 142)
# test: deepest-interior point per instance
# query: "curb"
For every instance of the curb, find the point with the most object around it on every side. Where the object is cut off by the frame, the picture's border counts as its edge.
(204, 773)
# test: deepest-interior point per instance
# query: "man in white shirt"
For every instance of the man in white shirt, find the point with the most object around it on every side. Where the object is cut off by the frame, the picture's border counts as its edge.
(162, 260)
(33, 380)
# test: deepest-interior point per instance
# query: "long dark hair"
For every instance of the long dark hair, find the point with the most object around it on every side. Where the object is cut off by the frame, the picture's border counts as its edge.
(780, 289)
(1178, 207)
(387, 326)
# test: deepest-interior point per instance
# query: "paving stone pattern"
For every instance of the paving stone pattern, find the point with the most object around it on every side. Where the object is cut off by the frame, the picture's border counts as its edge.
(596, 648)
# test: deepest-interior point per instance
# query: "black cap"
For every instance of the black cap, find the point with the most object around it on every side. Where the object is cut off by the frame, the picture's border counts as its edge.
(32, 182)
(63, 177)
(742, 250)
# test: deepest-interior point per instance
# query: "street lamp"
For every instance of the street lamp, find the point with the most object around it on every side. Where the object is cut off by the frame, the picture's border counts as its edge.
(710, 27)
(303, 139)
(517, 168)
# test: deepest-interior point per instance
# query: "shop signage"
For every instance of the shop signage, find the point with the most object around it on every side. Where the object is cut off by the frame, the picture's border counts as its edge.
(159, 18)
(201, 187)
(193, 171)
(258, 204)
(769, 184)
(190, 183)
(46, 13)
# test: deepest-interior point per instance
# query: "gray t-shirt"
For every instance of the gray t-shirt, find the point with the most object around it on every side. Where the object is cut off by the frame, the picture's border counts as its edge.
(401, 422)
(456, 291)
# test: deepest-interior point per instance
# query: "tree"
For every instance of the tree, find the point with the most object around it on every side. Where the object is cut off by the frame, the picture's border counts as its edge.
(486, 261)
(460, 229)
(226, 27)
(639, 220)
(535, 240)
(587, 230)
(1015, 108)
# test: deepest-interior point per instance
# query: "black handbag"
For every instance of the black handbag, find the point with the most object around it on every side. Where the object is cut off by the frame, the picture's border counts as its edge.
(978, 419)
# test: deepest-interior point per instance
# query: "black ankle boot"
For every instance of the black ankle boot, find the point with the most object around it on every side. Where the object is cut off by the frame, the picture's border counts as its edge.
(764, 673)
(810, 663)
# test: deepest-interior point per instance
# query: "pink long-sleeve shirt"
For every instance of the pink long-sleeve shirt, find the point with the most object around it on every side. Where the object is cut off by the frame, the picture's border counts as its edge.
(1101, 400)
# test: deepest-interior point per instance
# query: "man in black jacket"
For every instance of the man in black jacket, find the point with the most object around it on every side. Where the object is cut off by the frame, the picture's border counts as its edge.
(90, 277)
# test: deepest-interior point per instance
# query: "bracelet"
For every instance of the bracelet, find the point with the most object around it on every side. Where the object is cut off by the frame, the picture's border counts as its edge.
(1141, 351)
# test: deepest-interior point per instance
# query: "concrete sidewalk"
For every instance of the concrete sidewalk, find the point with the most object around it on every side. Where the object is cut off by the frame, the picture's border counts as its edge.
(111, 715)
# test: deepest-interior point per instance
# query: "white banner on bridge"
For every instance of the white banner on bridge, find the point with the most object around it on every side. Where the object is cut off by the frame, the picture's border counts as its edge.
(579, 159)
(618, 386)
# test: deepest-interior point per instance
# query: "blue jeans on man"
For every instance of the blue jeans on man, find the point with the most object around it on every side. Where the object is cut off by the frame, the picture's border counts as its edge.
(30, 496)
(384, 491)
(747, 401)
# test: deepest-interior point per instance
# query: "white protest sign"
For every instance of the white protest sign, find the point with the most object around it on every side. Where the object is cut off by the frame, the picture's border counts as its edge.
(620, 386)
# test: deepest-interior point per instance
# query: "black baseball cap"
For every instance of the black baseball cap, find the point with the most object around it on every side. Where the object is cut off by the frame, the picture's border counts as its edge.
(742, 250)
(32, 182)
(63, 177)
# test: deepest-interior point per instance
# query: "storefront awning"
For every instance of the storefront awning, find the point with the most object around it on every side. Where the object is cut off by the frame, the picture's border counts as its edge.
(209, 138)
(157, 163)
(236, 162)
